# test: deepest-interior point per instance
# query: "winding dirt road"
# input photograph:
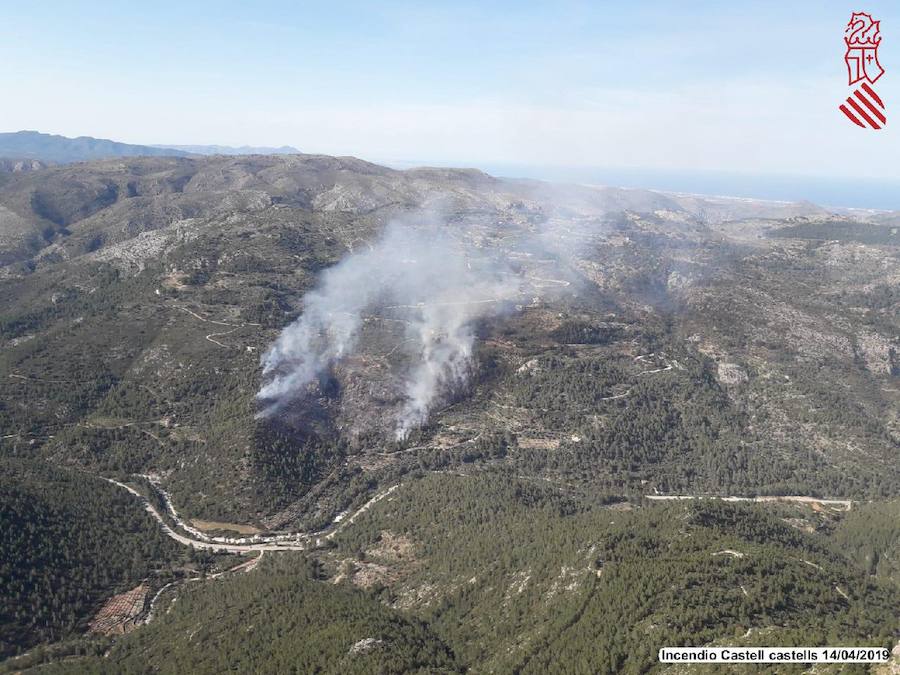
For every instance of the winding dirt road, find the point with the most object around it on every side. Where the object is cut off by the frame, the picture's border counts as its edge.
(845, 504)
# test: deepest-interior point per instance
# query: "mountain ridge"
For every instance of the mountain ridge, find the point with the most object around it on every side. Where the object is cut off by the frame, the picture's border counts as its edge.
(65, 150)
(230, 149)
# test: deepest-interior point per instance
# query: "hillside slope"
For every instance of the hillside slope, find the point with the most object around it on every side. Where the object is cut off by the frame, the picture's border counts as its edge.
(654, 343)
(68, 542)
(610, 346)
(483, 574)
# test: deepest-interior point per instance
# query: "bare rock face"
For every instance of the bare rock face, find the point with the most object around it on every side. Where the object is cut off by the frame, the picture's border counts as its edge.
(731, 374)
(21, 165)
(876, 352)
(365, 645)
(678, 281)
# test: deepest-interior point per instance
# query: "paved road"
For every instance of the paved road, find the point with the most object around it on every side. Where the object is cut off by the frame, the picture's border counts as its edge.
(277, 543)
(208, 545)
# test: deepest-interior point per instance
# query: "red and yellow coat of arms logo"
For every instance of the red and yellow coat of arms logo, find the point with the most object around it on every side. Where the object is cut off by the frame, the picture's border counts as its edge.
(863, 107)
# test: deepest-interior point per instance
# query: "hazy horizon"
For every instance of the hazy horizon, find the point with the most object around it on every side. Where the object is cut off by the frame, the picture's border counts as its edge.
(702, 87)
(827, 191)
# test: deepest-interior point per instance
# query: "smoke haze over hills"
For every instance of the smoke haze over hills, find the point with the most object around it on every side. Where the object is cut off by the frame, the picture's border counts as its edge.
(435, 284)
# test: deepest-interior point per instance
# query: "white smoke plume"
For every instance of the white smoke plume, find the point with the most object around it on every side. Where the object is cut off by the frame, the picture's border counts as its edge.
(438, 285)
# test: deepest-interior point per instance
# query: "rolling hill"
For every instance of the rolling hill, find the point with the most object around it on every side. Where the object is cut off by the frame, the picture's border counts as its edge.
(504, 373)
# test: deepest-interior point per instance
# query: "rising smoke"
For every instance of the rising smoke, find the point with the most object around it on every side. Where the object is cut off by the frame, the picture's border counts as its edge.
(439, 286)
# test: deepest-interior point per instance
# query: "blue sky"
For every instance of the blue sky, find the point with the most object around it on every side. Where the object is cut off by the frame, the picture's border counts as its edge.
(701, 86)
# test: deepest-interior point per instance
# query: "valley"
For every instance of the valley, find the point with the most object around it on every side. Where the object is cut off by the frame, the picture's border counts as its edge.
(563, 418)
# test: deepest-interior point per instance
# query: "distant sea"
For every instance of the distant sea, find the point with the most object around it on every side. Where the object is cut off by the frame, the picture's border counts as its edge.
(833, 192)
